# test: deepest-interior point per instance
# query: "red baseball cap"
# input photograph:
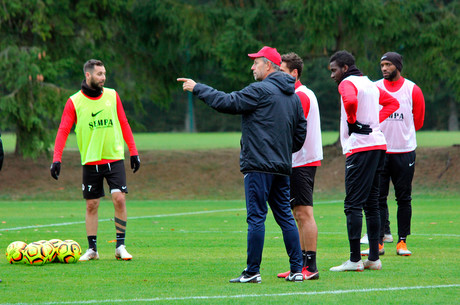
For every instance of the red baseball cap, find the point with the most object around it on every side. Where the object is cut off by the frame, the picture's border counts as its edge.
(269, 53)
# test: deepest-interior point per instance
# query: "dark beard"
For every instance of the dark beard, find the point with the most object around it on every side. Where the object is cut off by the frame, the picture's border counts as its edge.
(95, 85)
(89, 90)
(392, 75)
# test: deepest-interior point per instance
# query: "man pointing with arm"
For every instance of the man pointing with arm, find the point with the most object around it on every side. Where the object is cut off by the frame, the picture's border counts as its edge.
(273, 126)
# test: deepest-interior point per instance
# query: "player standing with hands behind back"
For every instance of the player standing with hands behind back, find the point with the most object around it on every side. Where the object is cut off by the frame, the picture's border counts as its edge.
(100, 126)
(399, 130)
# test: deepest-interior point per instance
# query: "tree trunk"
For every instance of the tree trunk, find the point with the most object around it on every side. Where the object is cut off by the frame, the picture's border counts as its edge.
(453, 116)
(19, 137)
(190, 125)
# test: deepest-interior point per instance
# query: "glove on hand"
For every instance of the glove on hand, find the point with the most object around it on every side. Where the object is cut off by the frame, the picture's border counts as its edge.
(358, 127)
(135, 163)
(55, 169)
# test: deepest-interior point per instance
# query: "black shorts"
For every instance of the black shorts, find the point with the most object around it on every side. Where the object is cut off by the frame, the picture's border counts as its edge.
(302, 183)
(93, 179)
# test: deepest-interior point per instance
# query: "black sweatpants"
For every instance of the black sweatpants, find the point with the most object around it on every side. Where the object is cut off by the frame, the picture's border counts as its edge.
(400, 169)
(362, 179)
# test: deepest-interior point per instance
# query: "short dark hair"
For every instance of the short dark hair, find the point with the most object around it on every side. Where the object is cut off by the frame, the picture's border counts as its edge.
(89, 65)
(293, 61)
(343, 58)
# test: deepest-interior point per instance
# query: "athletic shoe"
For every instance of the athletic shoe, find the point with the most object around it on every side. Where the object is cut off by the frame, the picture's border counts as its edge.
(121, 253)
(401, 249)
(307, 275)
(373, 265)
(295, 277)
(349, 266)
(381, 251)
(284, 274)
(387, 238)
(247, 278)
(364, 239)
(89, 255)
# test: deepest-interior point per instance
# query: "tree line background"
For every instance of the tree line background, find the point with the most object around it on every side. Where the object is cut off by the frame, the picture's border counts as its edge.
(146, 45)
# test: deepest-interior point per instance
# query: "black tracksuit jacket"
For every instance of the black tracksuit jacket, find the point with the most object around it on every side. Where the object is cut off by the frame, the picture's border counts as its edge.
(273, 124)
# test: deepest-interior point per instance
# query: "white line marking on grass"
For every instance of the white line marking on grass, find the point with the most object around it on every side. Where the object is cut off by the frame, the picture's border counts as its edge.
(139, 217)
(186, 213)
(442, 235)
(243, 296)
(136, 217)
(45, 226)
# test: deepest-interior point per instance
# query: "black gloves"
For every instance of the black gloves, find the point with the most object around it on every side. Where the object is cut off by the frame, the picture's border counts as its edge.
(358, 127)
(55, 169)
(135, 163)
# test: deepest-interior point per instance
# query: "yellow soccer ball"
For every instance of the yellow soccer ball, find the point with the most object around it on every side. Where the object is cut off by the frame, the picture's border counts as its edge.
(55, 243)
(35, 254)
(15, 252)
(69, 252)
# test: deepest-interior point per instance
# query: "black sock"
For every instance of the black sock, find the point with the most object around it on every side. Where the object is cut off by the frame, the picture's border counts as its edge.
(304, 258)
(120, 239)
(355, 250)
(401, 238)
(92, 242)
(311, 261)
(373, 249)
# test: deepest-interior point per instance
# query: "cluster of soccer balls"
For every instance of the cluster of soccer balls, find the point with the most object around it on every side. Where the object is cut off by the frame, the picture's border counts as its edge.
(43, 251)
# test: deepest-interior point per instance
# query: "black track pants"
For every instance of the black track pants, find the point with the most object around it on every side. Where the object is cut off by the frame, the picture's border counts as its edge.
(399, 168)
(362, 179)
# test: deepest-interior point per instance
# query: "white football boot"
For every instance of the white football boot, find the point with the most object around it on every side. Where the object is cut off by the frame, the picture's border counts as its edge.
(364, 239)
(89, 255)
(381, 251)
(388, 238)
(373, 265)
(121, 253)
(349, 266)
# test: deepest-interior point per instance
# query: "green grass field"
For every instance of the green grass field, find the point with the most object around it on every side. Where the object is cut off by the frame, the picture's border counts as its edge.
(215, 140)
(186, 251)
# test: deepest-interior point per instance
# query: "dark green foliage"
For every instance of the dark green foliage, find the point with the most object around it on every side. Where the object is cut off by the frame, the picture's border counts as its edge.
(31, 106)
(42, 50)
(146, 45)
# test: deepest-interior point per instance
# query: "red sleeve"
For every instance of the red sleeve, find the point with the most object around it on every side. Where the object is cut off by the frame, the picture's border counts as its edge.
(349, 95)
(69, 117)
(125, 128)
(305, 101)
(418, 107)
(389, 103)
